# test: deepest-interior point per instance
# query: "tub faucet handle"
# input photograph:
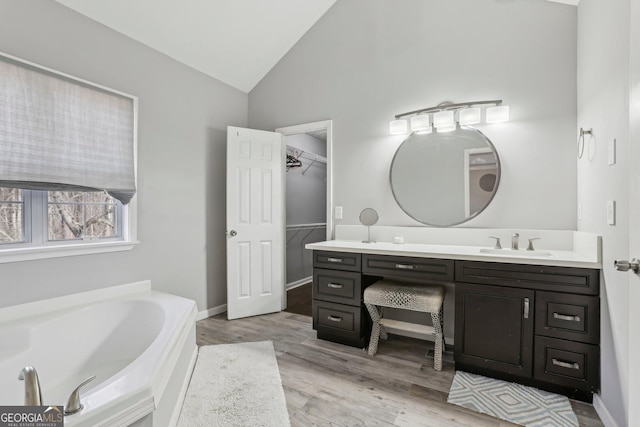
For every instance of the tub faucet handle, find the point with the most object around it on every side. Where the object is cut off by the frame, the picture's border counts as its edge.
(73, 404)
(32, 391)
(498, 246)
(530, 247)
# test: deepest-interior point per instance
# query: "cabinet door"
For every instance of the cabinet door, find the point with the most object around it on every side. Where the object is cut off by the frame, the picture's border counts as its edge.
(494, 329)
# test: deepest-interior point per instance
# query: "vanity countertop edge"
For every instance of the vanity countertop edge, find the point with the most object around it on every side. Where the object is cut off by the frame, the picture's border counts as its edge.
(560, 258)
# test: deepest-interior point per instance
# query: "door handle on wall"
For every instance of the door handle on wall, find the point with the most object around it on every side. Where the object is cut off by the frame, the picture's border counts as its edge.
(624, 265)
(526, 308)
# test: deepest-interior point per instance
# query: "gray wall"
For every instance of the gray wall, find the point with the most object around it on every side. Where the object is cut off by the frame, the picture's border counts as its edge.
(183, 116)
(368, 60)
(306, 200)
(603, 104)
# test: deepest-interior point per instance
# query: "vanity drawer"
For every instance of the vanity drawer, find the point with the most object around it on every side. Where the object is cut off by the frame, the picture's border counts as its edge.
(440, 270)
(572, 317)
(337, 260)
(567, 363)
(583, 281)
(343, 287)
(340, 323)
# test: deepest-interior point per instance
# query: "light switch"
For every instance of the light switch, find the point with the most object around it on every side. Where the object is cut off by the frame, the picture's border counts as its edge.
(612, 152)
(611, 212)
(338, 212)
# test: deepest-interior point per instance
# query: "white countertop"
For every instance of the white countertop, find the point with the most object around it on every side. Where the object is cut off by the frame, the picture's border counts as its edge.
(561, 258)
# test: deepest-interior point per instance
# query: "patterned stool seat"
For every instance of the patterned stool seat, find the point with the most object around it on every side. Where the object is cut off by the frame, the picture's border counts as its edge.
(426, 298)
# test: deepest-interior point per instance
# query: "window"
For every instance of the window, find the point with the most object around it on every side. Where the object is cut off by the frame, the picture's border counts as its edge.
(67, 164)
(77, 215)
(11, 216)
(38, 218)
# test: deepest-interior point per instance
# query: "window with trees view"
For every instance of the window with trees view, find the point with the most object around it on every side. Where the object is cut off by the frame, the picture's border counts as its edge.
(38, 217)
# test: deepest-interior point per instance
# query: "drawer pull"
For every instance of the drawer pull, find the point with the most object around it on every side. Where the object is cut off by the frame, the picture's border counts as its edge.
(565, 317)
(335, 285)
(526, 308)
(334, 259)
(334, 318)
(567, 365)
(404, 266)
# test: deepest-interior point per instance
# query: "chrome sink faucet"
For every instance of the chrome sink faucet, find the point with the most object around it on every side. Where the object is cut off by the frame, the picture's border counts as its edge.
(514, 241)
(32, 392)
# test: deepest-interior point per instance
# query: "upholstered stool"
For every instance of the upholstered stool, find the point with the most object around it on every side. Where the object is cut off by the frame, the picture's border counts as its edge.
(426, 298)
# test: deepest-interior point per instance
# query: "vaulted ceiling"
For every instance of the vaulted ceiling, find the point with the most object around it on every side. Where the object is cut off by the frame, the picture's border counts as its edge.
(235, 41)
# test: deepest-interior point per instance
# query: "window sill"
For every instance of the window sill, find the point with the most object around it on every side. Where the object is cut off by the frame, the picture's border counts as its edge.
(44, 252)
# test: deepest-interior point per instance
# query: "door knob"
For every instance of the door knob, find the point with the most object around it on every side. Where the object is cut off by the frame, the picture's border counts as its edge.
(233, 233)
(624, 265)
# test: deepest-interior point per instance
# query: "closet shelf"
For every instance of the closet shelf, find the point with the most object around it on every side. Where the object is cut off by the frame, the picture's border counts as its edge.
(299, 153)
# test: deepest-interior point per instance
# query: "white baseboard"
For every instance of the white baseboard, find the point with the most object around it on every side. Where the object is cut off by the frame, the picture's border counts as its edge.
(603, 412)
(297, 283)
(211, 312)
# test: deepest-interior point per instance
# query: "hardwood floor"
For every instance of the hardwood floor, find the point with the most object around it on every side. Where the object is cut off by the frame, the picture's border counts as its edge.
(328, 384)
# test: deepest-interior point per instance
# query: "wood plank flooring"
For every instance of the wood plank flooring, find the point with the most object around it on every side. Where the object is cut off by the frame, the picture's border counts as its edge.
(328, 384)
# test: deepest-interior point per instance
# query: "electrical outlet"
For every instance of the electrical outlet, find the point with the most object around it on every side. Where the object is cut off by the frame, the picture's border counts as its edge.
(611, 212)
(338, 213)
(612, 152)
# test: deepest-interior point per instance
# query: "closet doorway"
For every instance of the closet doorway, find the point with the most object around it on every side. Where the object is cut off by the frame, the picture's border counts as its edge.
(308, 201)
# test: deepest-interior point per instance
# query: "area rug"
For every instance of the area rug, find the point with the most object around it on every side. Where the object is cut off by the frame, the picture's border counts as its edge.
(235, 385)
(519, 404)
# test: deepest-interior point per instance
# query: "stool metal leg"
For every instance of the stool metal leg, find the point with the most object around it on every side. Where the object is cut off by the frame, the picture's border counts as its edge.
(375, 329)
(437, 351)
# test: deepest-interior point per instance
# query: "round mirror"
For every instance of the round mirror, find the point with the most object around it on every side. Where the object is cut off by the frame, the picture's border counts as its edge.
(445, 178)
(368, 217)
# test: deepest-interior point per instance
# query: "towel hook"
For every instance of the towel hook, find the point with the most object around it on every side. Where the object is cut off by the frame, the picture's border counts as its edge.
(583, 132)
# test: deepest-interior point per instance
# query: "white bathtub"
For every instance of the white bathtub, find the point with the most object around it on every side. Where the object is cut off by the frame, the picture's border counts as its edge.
(140, 344)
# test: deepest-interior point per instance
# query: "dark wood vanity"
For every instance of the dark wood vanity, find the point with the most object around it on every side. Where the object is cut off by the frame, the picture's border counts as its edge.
(537, 325)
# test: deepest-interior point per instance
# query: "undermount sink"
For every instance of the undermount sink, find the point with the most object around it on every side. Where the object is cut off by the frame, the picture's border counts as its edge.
(520, 253)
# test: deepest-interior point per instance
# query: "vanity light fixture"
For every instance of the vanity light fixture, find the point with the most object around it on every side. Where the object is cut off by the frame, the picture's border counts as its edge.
(444, 116)
(498, 114)
(420, 123)
(470, 116)
(398, 127)
(443, 120)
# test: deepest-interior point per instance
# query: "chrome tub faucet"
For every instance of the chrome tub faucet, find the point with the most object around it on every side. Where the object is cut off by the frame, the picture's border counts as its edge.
(32, 392)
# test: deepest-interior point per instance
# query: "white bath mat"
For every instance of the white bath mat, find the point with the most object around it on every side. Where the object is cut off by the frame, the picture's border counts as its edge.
(519, 404)
(235, 385)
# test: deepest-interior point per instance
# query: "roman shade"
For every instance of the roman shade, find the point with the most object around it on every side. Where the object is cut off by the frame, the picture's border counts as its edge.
(59, 133)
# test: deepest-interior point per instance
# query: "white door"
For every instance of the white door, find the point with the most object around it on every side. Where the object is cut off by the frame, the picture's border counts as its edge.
(255, 222)
(634, 216)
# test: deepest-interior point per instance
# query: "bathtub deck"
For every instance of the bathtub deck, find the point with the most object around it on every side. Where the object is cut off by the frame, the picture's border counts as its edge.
(331, 384)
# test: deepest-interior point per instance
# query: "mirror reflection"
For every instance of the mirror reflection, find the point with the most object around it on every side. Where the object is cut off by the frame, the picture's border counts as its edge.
(445, 178)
